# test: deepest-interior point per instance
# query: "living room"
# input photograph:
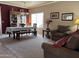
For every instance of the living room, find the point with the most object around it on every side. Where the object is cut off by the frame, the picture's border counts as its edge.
(53, 21)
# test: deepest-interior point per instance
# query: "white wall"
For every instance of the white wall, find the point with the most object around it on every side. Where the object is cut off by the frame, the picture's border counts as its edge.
(61, 7)
(0, 22)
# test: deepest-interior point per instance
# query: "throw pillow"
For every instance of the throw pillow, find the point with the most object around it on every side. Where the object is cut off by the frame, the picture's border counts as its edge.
(63, 28)
(61, 42)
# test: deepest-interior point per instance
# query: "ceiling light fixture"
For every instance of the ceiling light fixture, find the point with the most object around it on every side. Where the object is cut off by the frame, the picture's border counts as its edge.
(22, 10)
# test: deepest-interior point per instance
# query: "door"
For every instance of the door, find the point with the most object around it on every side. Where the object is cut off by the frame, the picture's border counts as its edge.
(38, 19)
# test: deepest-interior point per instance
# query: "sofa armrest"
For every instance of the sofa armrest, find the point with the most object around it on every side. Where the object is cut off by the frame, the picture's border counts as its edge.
(45, 45)
(62, 52)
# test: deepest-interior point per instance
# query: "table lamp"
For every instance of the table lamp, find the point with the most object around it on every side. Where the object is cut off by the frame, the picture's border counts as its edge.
(77, 22)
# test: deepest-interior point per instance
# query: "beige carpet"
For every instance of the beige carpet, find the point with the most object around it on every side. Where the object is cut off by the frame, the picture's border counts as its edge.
(28, 47)
(6, 53)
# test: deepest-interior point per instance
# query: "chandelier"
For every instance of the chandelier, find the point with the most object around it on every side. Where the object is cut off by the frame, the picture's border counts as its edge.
(22, 10)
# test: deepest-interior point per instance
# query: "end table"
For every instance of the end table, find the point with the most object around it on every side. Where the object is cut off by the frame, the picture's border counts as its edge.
(47, 33)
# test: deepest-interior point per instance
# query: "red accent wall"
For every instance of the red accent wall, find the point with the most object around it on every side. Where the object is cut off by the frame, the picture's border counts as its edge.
(5, 15)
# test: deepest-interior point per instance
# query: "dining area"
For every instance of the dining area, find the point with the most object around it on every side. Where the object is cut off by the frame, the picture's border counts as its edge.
(17, 31)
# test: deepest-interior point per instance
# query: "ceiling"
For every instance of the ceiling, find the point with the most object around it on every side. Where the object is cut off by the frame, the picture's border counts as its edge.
(26, 4)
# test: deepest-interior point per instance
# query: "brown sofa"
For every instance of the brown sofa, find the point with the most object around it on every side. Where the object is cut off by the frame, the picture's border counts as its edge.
(59, 32)
(70, 50)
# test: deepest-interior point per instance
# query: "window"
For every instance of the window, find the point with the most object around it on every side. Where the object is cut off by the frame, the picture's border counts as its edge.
(23, 19)
(38, 19)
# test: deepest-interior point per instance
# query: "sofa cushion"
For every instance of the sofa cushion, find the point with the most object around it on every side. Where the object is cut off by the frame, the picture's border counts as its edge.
(57, 35)
(63, 28)
(73, 42)
(61, 42)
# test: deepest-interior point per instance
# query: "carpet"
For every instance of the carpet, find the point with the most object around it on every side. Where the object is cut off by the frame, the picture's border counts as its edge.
(28, 47)
(5, 53)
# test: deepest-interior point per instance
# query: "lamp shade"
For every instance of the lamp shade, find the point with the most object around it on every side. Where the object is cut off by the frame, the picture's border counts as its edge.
(77, 21)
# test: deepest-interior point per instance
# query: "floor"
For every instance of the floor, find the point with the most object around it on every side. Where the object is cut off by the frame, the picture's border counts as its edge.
(28, 47)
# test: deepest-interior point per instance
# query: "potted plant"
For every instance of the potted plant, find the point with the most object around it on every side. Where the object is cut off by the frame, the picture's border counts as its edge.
(22, 24)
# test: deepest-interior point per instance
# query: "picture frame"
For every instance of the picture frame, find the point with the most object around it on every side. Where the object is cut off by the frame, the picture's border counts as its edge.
(54, 15)
(67, 16)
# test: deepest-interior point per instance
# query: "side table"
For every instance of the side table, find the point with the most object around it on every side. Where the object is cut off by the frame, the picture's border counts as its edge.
(47, 33)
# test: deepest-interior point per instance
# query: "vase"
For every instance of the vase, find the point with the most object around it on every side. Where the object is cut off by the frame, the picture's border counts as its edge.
(22, 25)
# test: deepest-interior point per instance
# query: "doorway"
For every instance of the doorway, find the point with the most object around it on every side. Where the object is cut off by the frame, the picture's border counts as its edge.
(38, 19)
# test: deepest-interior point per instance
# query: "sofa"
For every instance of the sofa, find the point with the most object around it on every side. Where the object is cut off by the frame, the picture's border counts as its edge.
(69, 50)
(59, 32)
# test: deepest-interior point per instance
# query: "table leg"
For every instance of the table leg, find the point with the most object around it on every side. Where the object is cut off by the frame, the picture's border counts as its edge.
(47, 35)
(18, 36)
(35, 33)
(9, 34)
(14, 35)
(43, 33)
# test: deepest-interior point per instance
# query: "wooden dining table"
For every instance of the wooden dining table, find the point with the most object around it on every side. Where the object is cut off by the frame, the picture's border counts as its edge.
(16, 31)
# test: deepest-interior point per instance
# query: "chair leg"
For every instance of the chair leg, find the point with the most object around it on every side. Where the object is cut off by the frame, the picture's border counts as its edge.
(18, 36)
(35, 33)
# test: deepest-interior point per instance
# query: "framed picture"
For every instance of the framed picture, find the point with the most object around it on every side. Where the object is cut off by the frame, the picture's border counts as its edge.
(54, 15)
(67, 16)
